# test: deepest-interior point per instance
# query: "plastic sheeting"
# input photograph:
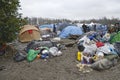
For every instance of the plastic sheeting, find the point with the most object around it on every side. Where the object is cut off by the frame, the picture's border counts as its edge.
(115, 37)
(70, 30)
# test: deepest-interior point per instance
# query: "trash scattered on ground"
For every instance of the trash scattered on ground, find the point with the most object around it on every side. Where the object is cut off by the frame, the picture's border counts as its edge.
(97, 51)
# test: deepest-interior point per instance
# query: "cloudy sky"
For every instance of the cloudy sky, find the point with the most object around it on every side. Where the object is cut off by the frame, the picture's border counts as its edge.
(71, 9)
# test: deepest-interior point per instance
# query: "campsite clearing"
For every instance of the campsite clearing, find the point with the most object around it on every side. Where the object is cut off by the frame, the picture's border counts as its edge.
(57, 68)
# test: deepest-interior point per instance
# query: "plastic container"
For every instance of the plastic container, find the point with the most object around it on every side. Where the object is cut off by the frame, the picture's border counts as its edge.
(79, 56)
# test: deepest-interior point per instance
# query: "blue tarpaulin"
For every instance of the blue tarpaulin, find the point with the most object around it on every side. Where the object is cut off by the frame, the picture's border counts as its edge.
(70, 30)
(46, 26)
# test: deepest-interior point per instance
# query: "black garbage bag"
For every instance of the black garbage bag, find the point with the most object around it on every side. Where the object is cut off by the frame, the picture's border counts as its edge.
(36, 44)
(80, 46)
(20, 56)
(29, 46)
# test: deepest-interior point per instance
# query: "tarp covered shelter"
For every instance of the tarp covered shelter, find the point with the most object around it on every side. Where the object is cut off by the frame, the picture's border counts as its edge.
(61, 26)
(29, 33)
(70, 30)
(46, 27)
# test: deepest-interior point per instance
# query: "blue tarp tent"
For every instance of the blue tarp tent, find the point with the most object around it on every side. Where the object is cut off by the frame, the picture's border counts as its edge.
(61, 26)
(70, 30)
(46, 26)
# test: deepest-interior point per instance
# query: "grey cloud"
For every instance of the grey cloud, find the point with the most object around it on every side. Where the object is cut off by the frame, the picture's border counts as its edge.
(71, 9)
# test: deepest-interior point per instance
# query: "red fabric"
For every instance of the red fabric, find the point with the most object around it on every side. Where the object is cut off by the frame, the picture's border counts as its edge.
(99, 44)
(30, 31)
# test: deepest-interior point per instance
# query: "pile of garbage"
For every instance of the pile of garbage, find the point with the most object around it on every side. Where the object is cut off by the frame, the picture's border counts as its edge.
(96, 52)
(38, 50)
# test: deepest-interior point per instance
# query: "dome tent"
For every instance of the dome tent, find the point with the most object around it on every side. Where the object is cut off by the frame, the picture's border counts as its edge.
(46, 27)
(61, 26)
(70, 30)
(29, 33)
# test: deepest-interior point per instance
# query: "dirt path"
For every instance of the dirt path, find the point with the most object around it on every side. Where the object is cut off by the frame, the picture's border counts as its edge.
(56, 68)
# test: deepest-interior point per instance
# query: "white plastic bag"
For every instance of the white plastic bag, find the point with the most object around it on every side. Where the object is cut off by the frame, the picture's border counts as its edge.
(90, 48)
(106, 49)
(54, 51)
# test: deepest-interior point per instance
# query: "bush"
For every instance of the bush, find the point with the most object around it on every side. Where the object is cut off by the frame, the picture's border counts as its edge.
(10, 20)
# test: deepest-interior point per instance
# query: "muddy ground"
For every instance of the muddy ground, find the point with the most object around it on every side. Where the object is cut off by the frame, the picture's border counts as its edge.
(56, 68)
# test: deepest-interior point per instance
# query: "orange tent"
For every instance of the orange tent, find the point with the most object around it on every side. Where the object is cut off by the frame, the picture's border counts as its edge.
(29, 33)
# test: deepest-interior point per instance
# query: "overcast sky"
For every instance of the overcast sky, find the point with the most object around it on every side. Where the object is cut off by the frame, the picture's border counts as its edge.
(71, 9)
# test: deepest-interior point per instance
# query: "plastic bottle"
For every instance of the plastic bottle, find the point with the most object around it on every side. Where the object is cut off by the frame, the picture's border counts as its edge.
(79, 55)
